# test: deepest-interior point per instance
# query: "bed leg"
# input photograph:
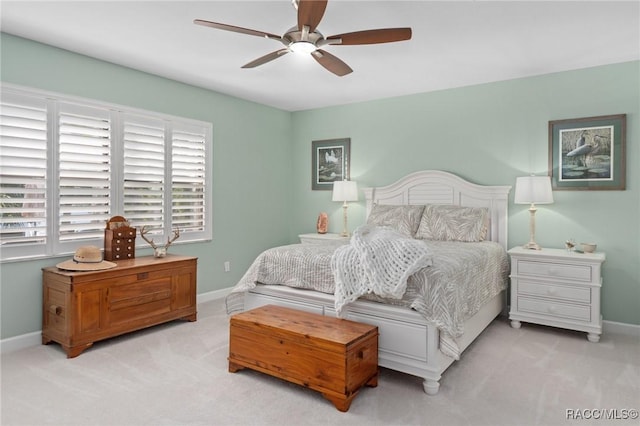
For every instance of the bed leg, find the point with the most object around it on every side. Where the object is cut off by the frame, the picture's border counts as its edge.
(431, 386)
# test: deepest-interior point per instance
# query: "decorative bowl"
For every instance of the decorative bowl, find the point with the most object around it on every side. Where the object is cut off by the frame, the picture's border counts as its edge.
(588, 247)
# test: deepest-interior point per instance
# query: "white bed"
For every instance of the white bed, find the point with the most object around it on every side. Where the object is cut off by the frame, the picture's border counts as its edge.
(408, 343)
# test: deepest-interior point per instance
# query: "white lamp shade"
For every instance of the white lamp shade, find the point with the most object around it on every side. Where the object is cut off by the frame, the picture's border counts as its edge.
(533, 189)
(345, 190)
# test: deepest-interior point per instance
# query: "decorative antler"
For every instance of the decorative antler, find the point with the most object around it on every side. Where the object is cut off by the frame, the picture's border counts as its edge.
(143, 231)
(159, 251)
(176, 235)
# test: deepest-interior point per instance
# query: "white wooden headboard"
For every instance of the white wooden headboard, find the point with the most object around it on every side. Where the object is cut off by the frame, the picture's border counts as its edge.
(438, 187)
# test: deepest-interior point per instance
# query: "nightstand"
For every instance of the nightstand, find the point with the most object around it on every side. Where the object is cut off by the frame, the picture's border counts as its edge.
(557, 288)
(323, 239)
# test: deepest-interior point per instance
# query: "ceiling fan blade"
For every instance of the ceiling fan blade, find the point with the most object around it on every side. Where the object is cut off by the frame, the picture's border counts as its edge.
(235, 29)
(331, 62)
(310, 13)
(383, 35)
(266, 58)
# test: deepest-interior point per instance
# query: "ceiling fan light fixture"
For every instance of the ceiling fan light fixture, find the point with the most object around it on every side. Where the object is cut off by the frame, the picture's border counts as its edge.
(302, 47)
(304, 37)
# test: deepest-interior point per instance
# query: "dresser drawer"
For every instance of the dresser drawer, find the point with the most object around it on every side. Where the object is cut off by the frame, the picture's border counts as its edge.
(124, 232)
(123, 250)
(574, 294)
(554, 270)
(141, 299)
(561, 310)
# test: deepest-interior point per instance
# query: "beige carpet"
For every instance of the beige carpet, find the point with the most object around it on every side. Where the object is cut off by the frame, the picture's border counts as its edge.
(176, 374)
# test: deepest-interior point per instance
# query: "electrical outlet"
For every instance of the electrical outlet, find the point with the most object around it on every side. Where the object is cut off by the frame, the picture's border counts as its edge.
(227, 266)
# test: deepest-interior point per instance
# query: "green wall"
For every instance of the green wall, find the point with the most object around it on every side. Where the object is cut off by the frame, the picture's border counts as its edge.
(489, 134)
(251, 167)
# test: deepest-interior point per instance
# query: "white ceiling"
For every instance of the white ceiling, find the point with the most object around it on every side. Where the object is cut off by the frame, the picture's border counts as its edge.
(454, 43)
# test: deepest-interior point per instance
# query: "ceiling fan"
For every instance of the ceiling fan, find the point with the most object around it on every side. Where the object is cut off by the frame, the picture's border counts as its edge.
(305, 37)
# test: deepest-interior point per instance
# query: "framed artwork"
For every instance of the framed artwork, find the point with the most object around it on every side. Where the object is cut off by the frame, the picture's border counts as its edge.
(330, 162)
(588, 153)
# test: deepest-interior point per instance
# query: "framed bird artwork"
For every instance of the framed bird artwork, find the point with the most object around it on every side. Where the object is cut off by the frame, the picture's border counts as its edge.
(588, 153)
(330, 162)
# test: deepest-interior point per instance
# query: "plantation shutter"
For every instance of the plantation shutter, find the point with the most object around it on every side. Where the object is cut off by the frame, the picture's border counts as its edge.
(188, 178)
(144, 172)
(67, 165)
(23, 170)
(84, 171)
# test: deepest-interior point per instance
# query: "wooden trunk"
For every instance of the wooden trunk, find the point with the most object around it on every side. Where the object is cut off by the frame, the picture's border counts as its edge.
(333, 356)
(80, 308)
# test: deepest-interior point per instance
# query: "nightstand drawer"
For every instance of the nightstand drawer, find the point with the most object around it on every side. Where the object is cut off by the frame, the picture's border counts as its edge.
(327, 239)
(554, 270)
(577, 312)
(574, 294)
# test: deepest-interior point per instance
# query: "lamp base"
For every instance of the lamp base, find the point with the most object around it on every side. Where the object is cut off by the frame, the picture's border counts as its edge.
(345, 231)
(531, 245)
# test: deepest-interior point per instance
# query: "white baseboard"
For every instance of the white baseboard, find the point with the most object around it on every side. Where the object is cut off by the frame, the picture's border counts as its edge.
(20, 342)
(16, 343)
(620, 328)
(33, 339)
(213, 295)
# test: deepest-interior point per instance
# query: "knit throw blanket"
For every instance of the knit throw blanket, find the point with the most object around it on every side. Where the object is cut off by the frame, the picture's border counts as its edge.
(379, 260)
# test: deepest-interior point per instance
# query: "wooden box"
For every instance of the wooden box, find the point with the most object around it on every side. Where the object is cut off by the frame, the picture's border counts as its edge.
(333, 356)
(80, 308)
(120, 243)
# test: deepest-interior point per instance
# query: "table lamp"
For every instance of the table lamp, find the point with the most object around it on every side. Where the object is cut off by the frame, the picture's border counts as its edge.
(345, 190)
(533, 190)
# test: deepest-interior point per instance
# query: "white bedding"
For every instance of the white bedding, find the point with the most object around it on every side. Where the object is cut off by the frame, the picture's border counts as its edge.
(379, 260)
(463, 276)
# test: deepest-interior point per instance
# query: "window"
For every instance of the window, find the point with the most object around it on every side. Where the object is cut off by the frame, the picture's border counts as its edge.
(144, 171)
(68, 165)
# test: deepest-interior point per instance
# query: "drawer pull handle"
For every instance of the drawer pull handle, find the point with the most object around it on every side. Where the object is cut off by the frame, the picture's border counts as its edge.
(143, 275)
(56, 310)
(363, 353)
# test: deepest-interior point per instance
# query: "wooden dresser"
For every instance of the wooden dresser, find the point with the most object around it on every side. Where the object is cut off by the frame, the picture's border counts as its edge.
(333, 356)
(80, 308)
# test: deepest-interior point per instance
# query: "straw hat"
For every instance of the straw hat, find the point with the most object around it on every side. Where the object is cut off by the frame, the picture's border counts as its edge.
(86, 258)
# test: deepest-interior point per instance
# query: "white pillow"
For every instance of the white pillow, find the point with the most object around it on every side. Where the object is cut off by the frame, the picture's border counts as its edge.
(453, 223)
